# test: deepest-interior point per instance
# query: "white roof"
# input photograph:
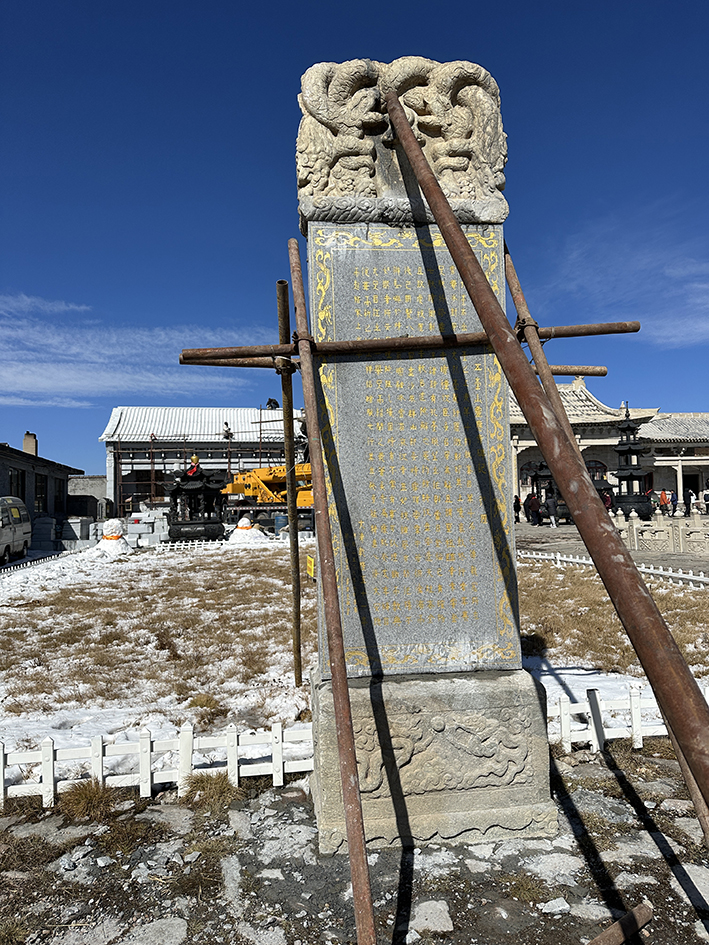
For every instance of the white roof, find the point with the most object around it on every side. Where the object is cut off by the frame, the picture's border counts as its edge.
(678, 428)
(194, 424)
(582, 407)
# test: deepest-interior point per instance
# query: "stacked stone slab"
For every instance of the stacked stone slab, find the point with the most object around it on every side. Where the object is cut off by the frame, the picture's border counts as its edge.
(78, 533)
(450, 731)
(146, 529)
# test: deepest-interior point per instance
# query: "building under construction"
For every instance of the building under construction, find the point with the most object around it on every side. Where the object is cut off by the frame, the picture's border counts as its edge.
(146, 445)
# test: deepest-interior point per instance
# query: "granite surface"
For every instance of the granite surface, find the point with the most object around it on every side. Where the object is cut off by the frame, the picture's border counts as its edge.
(417, 453)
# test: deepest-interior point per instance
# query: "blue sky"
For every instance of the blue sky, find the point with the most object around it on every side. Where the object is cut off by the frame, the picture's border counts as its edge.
(149, 188)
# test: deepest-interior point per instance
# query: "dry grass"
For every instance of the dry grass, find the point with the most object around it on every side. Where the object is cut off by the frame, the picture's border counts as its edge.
(215, 625)
(567, 616)
(25, 853)
(524, 887)
(125, 836)
(13, 932)
(211, 792)
(204, 632)
(88, 800)
(210, 709)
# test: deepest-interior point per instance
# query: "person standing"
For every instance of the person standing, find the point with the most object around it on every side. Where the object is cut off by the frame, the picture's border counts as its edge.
(525, 506)
(516, 507)
(673, 502)
(687, 497)
(551, 506)
(534, 506)
(664, 503)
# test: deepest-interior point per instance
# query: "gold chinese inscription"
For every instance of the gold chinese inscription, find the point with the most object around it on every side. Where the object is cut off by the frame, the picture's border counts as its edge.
(417, 458)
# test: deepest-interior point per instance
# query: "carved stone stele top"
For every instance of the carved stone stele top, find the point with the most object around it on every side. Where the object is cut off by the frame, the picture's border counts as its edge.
(347, 169)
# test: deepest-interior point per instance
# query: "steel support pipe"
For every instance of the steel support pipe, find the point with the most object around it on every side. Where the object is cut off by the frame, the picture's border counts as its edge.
(271, 363)
(584, 331)
(675, 687)
(213, 355)
(286, 369)
(626, 928)
(577, 370)
(562, 370)
(354, 821)
(527, 325)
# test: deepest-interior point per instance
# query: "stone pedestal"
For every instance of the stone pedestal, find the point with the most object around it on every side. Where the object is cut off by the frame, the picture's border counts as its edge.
(459, 758)
(450, 732)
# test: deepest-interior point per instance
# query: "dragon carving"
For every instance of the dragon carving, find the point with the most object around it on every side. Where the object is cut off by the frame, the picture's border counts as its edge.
(345, 164)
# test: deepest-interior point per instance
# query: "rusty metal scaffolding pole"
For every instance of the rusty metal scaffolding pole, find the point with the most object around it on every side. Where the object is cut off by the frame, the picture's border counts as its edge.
(257, 353)
(527, 325)
(285, 369)
(563, 370)
(626, 927)
(354, 821)
(676, 689)
(576, 370)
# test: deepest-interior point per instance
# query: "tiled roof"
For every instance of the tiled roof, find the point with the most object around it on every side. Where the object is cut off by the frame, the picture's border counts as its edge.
(11, 455)
(194, 424)
(677, 427)
(582, 407)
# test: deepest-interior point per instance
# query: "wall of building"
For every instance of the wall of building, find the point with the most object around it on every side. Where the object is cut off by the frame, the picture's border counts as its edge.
(40, 483)
(87, 497)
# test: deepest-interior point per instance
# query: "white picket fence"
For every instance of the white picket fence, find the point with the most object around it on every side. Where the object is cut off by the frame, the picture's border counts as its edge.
(666, 574)
(580, 722)
(45, 763)
(586, 717)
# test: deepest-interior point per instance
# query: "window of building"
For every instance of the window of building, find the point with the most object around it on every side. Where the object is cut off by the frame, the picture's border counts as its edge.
(59, 496)
(40, 493)
(17, 483)
(596, 469)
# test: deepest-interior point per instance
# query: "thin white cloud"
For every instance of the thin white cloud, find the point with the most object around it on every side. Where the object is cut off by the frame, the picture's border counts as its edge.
(11, 401)
(43, 378)
(627, 267)
(22, 304)
(54, 355)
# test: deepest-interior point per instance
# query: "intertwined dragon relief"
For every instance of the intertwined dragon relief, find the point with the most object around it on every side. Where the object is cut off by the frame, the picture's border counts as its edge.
(346, 168)
(453, 752)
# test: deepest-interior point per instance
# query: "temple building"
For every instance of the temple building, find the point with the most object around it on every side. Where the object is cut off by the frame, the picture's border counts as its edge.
(146, 444)
(675, 446)
(678, 451)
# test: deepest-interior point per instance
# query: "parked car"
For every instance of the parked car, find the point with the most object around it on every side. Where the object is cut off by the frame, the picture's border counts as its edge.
(15, 529)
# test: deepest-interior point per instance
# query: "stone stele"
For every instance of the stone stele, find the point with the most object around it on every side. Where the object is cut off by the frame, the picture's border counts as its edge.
(450, 731)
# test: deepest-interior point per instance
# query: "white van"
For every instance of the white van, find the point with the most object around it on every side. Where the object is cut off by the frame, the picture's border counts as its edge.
(15, 529)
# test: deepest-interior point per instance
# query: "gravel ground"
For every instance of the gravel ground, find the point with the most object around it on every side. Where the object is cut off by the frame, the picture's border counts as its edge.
(160, 873)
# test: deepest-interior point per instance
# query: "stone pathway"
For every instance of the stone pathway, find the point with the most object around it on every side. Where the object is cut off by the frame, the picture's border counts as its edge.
(163, 874)
(566, 540)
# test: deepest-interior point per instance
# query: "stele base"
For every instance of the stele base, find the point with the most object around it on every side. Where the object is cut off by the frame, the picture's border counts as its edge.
(442, 759)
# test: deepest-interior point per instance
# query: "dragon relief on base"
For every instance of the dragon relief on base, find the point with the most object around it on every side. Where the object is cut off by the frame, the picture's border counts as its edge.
(447, 752)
